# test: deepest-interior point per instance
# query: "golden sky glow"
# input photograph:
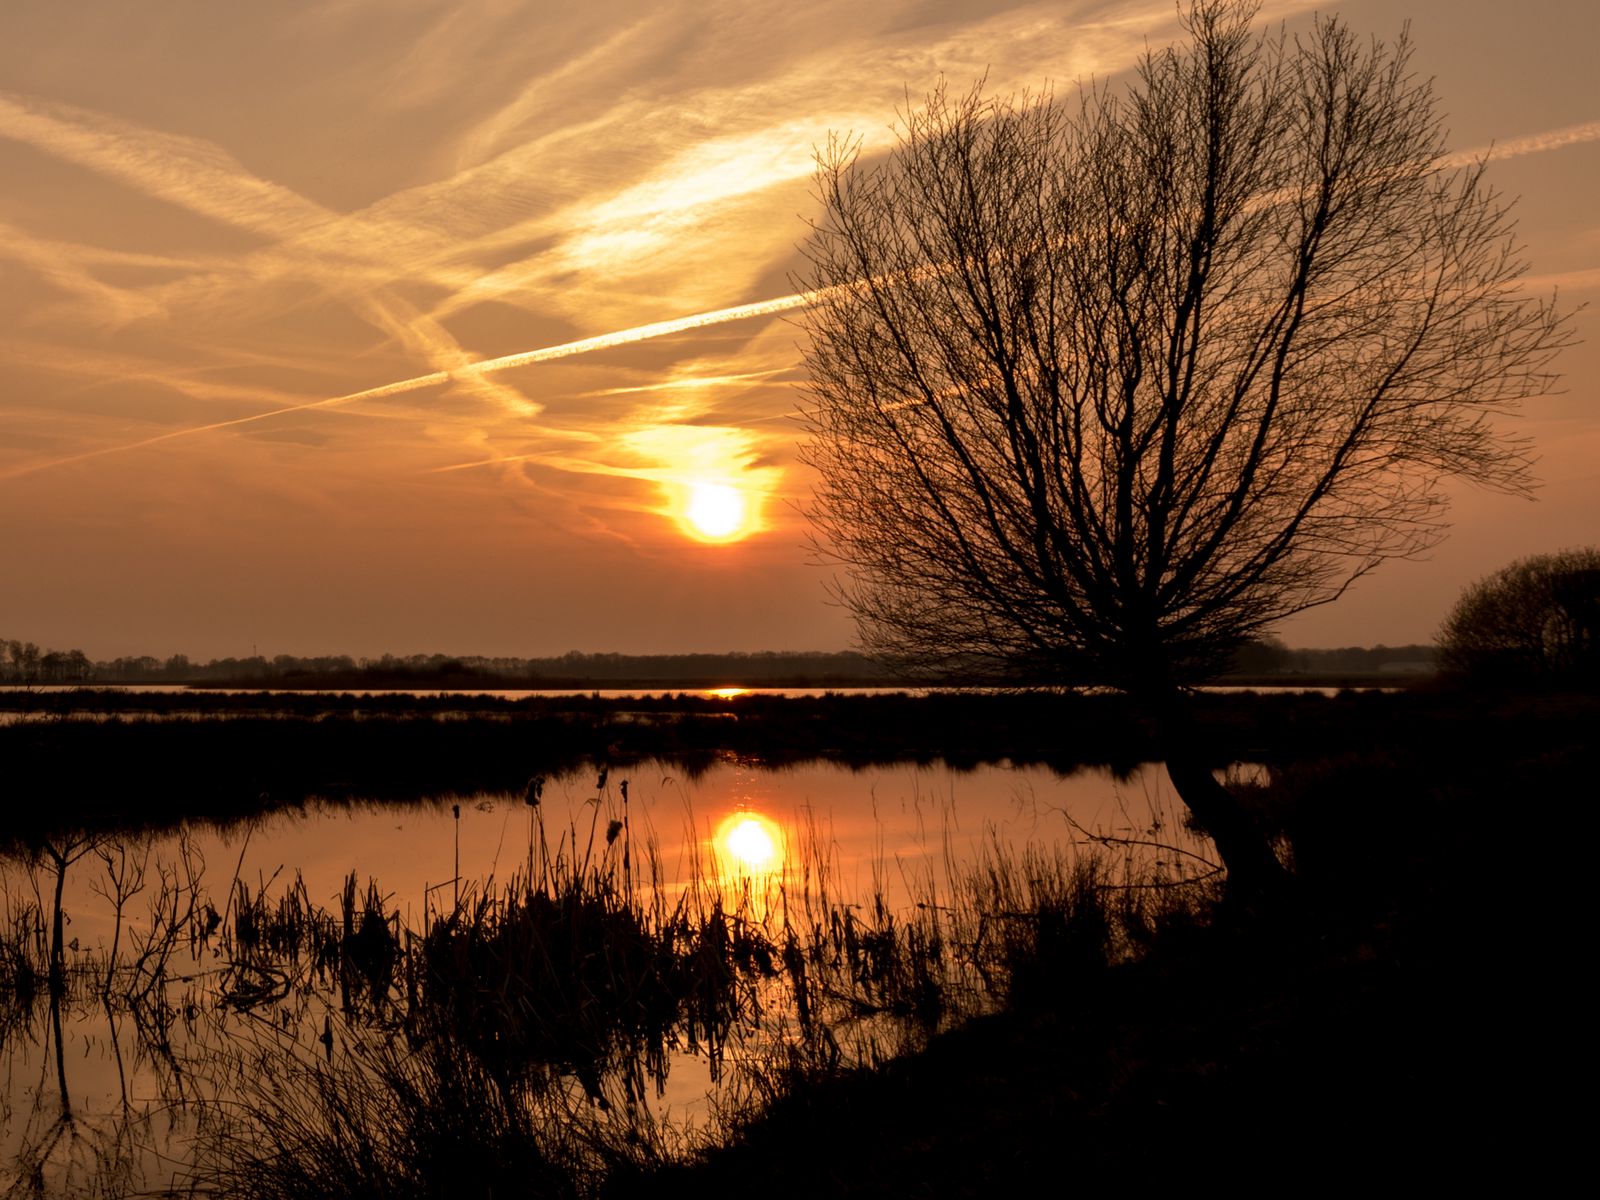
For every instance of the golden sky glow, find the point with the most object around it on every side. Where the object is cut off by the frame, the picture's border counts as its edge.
(459, 325)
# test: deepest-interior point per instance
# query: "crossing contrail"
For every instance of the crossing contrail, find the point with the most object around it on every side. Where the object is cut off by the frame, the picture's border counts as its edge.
(506, 362)
(1577, 134)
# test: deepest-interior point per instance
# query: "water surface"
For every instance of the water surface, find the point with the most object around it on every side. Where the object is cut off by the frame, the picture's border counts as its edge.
(899, 833)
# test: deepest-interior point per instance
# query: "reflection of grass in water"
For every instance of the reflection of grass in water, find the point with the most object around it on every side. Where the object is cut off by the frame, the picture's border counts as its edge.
(23, 964)
(382, 1120)
(533, 1022)
(538, 1023)
(552, 1009)
(845, 980)
(578, 976)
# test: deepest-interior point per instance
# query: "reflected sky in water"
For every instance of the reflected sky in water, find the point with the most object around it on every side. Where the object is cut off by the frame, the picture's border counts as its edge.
(763, 837)
(871, 828)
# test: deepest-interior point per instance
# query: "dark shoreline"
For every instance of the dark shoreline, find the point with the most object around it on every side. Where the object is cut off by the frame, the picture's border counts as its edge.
(1399, 1009)
(469, 682)
(1403, 1015)
(109, 759)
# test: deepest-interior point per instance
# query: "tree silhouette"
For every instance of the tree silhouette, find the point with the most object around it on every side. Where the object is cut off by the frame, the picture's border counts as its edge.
(1103, 389)
(1537, 619)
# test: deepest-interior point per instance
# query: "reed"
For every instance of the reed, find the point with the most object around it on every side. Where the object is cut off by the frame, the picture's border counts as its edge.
(535, 1024)
(379, 1120)
(23, 965)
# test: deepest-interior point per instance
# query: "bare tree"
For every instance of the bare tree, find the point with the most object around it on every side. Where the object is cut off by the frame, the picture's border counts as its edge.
(1104, 388)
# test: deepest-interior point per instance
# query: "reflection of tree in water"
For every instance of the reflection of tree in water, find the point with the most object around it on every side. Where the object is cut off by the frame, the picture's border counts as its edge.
(64, 1148)
(53, 990)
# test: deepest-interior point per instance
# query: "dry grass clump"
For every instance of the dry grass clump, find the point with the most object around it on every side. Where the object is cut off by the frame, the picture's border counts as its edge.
(379, 1121)
(523, 1037)
(24, 966)
(579, 978)
(521, 1041)
(538, 1023)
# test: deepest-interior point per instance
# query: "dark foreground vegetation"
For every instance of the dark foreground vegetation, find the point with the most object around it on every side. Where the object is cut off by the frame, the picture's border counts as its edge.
(1397, 1016)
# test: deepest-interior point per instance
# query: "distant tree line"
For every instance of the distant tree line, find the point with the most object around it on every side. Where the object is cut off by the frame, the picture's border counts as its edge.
(25, 663)
(1269, 656)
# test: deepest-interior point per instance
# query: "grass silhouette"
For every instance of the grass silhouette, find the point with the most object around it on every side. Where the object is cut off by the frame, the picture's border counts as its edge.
(1039, 1014)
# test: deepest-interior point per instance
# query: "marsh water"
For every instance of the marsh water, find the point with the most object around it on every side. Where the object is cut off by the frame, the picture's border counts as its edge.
(99, 1095)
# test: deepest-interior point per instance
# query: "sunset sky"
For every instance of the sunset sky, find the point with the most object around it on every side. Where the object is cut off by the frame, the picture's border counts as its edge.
(241, 246)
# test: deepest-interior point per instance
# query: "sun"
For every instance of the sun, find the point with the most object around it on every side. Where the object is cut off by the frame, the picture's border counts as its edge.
(716, 511)
(751, 841)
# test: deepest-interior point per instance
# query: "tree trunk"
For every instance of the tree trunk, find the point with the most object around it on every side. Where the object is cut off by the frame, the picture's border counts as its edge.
(1255, 875)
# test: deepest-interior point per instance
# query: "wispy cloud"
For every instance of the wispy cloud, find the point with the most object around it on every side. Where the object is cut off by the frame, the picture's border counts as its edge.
(653, 163)
(470, 371)
(185, 171)
(423, 335)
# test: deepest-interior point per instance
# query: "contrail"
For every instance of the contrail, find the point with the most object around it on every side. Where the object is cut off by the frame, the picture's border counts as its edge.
(1533, 143)
(603, 341)
(1583, 132)
(639, 333)
(388, 389)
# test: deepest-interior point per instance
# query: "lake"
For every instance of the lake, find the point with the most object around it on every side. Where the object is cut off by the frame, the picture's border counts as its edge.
(118, 1093)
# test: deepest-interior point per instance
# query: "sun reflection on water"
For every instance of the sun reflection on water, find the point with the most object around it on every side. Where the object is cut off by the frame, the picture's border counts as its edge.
(750, 843)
